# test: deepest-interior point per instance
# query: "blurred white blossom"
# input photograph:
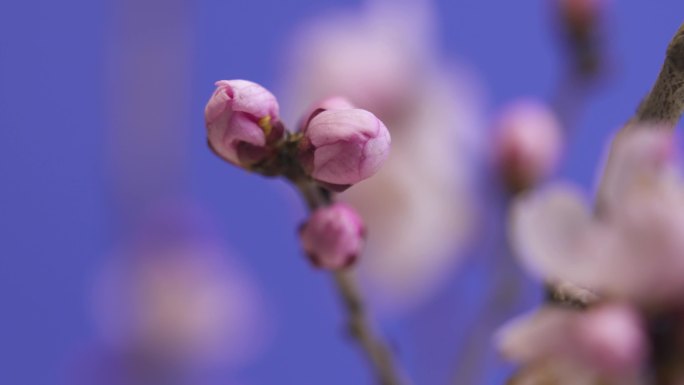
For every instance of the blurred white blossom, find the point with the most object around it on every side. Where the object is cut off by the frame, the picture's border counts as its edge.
(625, 259)
(608, 341)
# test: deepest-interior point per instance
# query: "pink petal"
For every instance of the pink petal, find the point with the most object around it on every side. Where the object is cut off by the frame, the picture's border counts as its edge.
(331, 103)
(252, 98)
(549, 229)
(350, 145)
(635, 154)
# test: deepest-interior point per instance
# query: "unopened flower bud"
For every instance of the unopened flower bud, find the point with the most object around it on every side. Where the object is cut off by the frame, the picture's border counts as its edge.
(528, 144)
(333, 236)
(342, 146)
(580, 21)
(581, 14)
(242, 120)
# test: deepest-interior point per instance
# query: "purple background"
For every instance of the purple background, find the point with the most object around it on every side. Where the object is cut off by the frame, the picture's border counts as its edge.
(57, 221)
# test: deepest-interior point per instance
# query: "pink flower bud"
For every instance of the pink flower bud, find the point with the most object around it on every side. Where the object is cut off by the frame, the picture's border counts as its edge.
(613, 337)
(528, 143)
(341, 145)
(333, 236)
(242, 121)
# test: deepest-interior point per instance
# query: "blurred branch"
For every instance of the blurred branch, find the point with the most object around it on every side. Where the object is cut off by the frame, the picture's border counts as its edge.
(582, 33)
(582, 29)
(503, 297)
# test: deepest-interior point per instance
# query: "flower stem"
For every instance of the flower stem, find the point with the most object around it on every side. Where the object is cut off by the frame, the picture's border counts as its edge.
(376, 350)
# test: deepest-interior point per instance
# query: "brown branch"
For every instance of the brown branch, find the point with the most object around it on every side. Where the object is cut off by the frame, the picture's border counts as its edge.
(661, 108)
(665, 103)
(377, 351)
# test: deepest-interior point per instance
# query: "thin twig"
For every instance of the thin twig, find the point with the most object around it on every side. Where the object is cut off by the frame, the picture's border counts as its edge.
(504, 295)
(377, 351)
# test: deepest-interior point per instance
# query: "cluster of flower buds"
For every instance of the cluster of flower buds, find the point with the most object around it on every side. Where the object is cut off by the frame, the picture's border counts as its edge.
(528, 144)
(337, 146)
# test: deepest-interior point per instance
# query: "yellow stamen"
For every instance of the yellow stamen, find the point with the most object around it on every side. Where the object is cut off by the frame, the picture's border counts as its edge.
(265, 124)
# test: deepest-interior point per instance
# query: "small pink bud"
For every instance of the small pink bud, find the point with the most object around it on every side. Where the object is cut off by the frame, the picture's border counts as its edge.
(528, 143)
(333, 236)
(341, 145)
(242, 121)
(581, 13)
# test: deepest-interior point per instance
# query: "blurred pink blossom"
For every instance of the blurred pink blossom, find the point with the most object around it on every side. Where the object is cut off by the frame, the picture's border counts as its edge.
(174, 296)
(419, 207)
(608, 340)
(528, 143)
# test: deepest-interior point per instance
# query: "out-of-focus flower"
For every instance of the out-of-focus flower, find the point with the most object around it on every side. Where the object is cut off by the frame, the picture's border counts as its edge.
(546, 226)
(419, 207)
(528, 143)
(172, 298)
(343, 146)
(333, 237)
(372, 56)
(635, 249)
(630, 252)
(242, 120)
(609, 340)
(614, 336)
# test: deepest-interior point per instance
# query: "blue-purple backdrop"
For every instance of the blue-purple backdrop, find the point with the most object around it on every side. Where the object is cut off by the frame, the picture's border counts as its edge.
(57, 222)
